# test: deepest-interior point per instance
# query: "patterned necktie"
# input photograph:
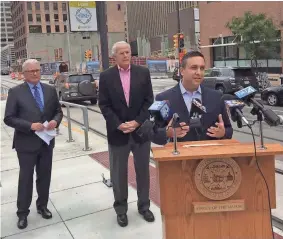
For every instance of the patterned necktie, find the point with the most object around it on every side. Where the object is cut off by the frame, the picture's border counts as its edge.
(37, 98)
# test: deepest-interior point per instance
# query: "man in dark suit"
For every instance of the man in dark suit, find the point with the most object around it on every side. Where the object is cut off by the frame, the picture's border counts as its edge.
(28, 106)
(215, 122)
(125, 94)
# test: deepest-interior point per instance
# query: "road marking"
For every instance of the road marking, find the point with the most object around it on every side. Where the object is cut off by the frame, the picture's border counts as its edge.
(65, 123)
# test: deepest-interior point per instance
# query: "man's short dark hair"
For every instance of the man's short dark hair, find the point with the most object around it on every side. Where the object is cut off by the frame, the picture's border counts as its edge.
(190, 55)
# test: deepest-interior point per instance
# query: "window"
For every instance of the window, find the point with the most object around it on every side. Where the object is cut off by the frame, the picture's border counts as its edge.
(48, 29)
(65, 28)
(46, 5)
(35, 29)
(38, 17)
(56, 18)
(57, 29)
(64, 17)
(37, 5)
(30, 17)
(47, 17)
(119, 7)
(29, 5)
(64, 7)
(55, 6)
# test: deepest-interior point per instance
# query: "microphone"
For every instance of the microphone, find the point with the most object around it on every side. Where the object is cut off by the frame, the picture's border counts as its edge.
(235, 107)
(175, 122)
(160, 111)
(197, 110)
(247, 95)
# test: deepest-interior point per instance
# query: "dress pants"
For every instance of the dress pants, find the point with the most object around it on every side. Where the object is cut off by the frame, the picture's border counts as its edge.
(118, 156)
(42, 161)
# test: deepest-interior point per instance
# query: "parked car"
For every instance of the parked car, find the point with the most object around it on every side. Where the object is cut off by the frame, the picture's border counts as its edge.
(229, 79)
(4, 71)
(273, 95)
(76, 87)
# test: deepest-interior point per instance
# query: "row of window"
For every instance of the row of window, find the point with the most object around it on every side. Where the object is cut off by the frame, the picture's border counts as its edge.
(47, 17)
(46, 6)
(20, 43)
(21, 31)
(235, 52)
(38, 28)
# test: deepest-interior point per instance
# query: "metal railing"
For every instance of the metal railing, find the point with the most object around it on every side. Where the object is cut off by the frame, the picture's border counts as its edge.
(85, 126)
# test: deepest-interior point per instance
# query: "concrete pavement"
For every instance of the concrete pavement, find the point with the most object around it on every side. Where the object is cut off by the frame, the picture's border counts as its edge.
(80, 203)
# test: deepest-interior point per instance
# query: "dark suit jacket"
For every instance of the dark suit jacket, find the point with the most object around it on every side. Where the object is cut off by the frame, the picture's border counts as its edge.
(113, 104)
(22, 110)
(211, 99)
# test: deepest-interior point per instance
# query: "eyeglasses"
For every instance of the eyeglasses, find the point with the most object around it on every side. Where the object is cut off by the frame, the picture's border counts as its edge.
(33, 71)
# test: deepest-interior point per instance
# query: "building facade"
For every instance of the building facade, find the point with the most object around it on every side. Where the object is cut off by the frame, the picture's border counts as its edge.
(213, 19)
(152, 21)
(7, 49)
(41, 28)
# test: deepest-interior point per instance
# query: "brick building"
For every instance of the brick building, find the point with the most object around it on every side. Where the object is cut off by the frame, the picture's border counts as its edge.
(40, 28)
(213, 18)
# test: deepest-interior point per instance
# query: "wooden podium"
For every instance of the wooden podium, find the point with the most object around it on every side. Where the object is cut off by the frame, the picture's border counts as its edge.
(194, 183)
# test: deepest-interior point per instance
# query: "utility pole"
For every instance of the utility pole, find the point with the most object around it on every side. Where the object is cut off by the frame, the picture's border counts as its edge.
(103, 30)
(178, 24)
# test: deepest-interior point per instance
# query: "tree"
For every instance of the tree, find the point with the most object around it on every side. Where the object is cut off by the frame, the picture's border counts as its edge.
(257, 34)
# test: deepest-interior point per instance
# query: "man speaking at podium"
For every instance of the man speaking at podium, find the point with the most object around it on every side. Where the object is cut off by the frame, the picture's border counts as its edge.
(215, 122)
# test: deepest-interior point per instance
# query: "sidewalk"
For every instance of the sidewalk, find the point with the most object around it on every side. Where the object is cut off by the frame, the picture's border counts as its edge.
(80, 203)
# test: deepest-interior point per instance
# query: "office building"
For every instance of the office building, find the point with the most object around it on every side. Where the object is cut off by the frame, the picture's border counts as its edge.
(41, 31)
(156, 21)
(214, 33)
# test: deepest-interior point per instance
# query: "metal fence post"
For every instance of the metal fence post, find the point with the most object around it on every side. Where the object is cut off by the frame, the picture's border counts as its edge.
(86, 128)
(69, 125)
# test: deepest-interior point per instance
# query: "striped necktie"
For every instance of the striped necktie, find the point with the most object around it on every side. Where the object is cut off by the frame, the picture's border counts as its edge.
(37, 98)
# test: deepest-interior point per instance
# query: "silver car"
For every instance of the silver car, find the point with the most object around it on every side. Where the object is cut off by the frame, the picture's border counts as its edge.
(76, 87)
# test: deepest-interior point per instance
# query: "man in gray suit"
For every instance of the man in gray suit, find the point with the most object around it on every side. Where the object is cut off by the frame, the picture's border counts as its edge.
(28, 106)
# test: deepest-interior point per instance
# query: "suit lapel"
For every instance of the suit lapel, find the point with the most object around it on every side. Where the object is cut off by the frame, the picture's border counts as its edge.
(118, 85)
(133, 82)
(29, 97)
(206, 99)
(46, 95)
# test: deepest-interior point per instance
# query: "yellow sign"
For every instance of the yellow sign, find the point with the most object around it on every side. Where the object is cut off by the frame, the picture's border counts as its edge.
(91, 4)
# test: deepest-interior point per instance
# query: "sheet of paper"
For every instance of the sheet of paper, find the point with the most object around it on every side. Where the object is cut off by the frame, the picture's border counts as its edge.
(46, 135)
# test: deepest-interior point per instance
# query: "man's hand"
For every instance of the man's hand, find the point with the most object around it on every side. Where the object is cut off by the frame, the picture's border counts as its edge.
(180, 131)
(219, 131)
(128, 127)
(37, 126)
(51, 125)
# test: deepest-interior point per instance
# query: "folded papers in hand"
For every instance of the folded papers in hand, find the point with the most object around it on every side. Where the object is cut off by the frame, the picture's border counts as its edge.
(46, 135)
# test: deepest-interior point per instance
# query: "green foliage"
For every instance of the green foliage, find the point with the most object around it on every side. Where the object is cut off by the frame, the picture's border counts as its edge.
(257, 34)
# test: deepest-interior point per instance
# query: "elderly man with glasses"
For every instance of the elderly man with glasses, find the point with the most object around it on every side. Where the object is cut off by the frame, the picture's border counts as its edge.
(28, 106)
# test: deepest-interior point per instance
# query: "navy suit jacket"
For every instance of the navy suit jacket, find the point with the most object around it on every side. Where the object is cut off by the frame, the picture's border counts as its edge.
(211, 99)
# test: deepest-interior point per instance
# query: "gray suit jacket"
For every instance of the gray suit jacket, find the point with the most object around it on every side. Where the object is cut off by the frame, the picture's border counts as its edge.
(22, 110)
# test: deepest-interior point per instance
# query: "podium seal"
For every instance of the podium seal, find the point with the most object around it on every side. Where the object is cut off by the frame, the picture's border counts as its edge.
(218, 179)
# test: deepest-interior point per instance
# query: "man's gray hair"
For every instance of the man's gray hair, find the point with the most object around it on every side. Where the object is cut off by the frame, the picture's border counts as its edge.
(28, 62)
(114, 48)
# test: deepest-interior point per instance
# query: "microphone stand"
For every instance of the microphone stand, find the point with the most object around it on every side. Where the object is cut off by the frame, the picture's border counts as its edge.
(256, 111)
(175, 151)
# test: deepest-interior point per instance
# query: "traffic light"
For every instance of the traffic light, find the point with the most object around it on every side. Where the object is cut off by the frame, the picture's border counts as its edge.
(199, 44)
(181, 41)
(89, 54)
(86, 54)
(175, 40)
